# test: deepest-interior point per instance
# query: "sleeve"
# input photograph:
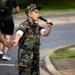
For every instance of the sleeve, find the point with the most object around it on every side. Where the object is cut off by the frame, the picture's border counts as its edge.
(15, 3)
(42, 31)
(20, 32)
(20, 29)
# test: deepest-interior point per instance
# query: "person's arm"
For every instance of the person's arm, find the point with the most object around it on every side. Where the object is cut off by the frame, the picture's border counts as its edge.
(18, 35)
(6, 43)
(48, 30)
(1, 40)
(17, 38)
(16, 10)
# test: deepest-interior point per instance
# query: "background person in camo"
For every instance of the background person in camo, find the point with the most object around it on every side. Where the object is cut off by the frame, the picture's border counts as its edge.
(7, 8)
(28, 36)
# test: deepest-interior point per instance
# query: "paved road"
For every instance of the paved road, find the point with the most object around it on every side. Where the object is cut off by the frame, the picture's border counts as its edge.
(60, 36)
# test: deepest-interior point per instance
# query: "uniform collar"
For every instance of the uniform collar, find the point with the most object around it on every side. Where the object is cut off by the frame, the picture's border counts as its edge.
(31, 25)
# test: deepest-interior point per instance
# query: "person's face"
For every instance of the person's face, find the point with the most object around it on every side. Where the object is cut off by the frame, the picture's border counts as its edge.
(34, 15)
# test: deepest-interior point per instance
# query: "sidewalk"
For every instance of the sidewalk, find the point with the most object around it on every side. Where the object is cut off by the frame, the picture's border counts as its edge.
(56, 20)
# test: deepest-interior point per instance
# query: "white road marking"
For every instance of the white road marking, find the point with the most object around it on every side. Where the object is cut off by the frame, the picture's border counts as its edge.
(7, 64)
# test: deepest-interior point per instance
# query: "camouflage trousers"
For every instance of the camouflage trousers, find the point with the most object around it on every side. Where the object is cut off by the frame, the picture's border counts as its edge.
(28, 62)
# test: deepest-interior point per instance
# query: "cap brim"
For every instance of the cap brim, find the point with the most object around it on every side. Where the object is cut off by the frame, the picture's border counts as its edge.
(39, 8)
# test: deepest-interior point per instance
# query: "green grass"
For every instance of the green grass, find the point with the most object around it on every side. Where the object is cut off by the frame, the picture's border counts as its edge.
(53, 7)
(49, 6)
(48, 11)
(63, 53)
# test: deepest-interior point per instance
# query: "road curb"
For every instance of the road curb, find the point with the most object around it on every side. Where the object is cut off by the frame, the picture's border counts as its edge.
(48, 64)
(50, 67)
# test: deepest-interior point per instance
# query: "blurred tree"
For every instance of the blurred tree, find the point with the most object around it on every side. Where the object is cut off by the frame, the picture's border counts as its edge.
(48, 3)
(24, 3)
(34, 1)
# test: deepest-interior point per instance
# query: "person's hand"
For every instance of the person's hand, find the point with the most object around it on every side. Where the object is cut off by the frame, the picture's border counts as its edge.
(48, 21)
(14, 43)
(7, 44)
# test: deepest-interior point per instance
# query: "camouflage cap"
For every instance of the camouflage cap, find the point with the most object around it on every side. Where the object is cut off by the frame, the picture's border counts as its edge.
(31, 7)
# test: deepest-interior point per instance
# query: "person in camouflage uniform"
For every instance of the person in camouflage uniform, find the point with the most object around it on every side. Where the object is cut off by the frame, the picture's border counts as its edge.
(28, 39)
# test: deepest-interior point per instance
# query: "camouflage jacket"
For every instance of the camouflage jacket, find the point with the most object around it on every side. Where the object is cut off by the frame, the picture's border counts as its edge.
(31, 37)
